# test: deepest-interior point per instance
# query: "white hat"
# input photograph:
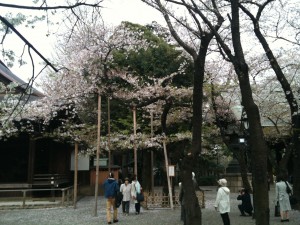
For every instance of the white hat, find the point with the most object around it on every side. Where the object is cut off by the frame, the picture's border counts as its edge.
(222, 182)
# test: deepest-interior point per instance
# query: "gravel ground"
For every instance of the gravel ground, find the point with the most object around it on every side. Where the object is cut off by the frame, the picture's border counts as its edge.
(83, 215)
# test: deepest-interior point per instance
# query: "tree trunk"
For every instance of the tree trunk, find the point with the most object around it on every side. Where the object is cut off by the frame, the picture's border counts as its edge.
(257, 143)
(296, 175)
(239, 152)
(287, 91)
(192, 210)
(243, 167)
(191, 206)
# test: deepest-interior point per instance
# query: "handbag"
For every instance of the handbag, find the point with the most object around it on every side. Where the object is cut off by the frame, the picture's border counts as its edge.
(293, 200)
(277, 210)
(118, 199)
(288, 189)
(140, 197)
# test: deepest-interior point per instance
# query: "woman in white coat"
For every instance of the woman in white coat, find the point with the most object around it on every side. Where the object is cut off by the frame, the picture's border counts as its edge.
(136, 189)
(222, 203)
(283, 198)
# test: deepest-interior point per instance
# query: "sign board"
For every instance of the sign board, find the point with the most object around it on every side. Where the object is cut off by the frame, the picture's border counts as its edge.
(102, 162)
(83, 162)
(171, 171)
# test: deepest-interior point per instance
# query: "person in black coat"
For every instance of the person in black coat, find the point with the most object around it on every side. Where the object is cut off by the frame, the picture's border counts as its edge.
(246, 206)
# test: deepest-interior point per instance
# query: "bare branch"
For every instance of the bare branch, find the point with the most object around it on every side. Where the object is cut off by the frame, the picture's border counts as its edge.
(51, 7)
(27, 42)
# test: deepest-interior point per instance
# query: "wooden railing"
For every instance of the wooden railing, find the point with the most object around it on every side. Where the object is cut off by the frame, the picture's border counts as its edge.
(59, 197)
(158, 200)
(50, 180)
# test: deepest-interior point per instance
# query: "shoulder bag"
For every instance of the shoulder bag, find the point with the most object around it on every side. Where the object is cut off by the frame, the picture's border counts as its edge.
(292, 198)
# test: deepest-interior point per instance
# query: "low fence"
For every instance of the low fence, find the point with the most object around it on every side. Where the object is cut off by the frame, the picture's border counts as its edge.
(28, 198)
(50, 180)
(158, 200)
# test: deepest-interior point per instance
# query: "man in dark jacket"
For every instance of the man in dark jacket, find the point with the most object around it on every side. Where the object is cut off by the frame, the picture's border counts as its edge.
(111, 189)
(246, 205)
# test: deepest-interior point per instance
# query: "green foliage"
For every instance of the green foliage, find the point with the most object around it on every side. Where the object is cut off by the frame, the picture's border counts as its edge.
(32, 20)
(156, 61)
(15, 20)
(9, 57)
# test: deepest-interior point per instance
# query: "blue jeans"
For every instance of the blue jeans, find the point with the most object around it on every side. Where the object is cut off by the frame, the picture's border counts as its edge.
(126, 206)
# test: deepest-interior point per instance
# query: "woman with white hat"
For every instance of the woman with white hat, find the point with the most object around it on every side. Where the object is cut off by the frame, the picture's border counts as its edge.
(222, 203)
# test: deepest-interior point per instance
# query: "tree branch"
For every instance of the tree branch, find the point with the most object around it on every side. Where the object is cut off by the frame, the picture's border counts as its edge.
(51, 7)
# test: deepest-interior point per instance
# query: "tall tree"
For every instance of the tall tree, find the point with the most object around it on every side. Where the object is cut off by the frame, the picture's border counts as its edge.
(197, 48)
(259, 152)
(286, 88)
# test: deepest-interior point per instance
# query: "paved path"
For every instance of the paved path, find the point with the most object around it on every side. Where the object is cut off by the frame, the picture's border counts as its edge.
(83, 215)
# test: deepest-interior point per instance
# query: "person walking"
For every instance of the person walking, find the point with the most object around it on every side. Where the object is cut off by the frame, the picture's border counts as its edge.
(120, 185)
(222, 203)
(246, 206)
(282, 196)
(126, 191)
(136, 189)
(111, 188)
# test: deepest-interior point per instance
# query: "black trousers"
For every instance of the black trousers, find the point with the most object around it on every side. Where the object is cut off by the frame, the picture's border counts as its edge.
(123, 207)
(243, 210)
(225, 218)
(137, 207)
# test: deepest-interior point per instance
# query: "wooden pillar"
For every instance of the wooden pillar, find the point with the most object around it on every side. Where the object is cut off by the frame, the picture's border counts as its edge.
(152, 156)
(134, 141)
(108, 134)
(97, 153)
(75, 174)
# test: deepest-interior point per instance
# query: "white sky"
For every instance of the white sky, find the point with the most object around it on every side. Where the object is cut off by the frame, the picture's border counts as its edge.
(114, 12)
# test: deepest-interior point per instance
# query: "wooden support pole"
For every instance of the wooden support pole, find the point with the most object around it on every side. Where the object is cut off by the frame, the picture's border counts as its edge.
(168, 177)
(134, 141)
(75, 174)
(152, 156)
(97, 153)
(108, 134)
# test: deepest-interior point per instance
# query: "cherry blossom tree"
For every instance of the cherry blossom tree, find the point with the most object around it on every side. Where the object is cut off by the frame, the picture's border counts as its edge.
(282, 79)
(196, 45)
(259, 153)
(29, 16)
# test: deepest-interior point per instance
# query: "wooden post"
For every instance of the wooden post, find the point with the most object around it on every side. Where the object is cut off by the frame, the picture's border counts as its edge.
(168, 177)
(134, 141)
(108, 134)
(63, 197)
(75, 174)
(97, 153)
(152, 157)
(24, 198)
